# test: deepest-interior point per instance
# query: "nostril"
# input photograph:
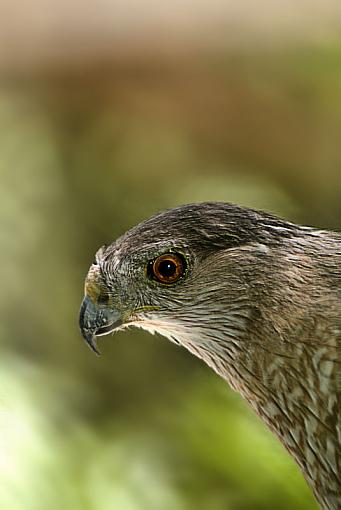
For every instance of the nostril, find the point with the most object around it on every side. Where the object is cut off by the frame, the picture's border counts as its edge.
(103, 298)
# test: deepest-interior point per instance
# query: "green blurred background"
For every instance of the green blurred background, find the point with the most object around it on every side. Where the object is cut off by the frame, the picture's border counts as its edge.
(108, 115)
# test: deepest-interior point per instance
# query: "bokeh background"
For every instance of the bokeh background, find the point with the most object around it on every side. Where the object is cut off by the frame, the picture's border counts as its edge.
(109, 112)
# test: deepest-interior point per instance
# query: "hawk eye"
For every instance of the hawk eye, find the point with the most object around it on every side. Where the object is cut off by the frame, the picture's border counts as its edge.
(167, 268)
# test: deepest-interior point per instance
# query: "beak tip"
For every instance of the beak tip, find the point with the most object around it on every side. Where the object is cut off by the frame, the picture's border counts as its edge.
(95, 349)
(90, 340)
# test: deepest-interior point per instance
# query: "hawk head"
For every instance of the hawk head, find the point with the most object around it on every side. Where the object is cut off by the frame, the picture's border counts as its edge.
(187, 273)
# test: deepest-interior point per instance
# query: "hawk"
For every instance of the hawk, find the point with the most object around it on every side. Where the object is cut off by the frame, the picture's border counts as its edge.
(257, 298)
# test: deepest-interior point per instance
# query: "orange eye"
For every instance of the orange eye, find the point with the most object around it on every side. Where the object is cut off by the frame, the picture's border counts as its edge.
(167, 268)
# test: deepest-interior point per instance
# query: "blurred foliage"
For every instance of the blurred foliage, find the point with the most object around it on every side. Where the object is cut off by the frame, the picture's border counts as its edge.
(84, 155)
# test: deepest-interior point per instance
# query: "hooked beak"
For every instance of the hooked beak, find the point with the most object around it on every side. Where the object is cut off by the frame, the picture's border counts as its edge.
(96, 320)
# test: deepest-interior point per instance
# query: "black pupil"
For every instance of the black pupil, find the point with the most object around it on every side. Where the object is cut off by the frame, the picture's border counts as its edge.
(167, 268)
